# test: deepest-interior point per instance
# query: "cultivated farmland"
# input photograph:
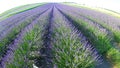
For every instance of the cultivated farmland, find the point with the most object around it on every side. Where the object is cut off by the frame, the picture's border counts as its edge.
(53, 35)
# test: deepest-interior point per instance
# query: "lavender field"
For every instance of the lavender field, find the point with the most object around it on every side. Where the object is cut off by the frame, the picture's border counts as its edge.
(59, 35)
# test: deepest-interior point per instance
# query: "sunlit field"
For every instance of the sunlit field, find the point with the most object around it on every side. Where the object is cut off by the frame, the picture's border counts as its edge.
(59, 35)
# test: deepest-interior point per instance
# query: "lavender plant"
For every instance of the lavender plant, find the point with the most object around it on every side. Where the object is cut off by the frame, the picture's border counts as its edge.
(69, 52)
(28, 49)
(15, 31)
(109, 22)
(101, 40)
(59, 37)
(19, 9)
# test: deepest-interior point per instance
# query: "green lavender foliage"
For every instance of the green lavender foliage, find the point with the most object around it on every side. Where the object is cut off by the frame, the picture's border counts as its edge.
(67, 49)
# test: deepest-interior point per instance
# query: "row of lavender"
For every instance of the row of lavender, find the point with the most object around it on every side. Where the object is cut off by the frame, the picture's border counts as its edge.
(10, 43)
(31, 44)
(96, 33)
(25, 48)
(49, 40)
(13, 27)
(70, 47)
(110, 23)
(5, 24)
